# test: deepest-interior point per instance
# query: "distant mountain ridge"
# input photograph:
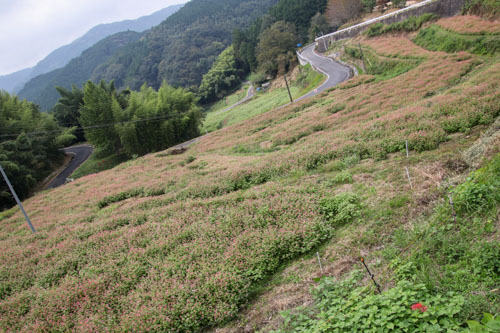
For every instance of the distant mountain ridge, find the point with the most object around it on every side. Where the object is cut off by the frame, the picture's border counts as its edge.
(60, 57)
(179, 50)
(183, 47)
(41, 89)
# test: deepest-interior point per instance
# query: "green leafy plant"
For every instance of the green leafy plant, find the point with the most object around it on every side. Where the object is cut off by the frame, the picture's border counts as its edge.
(344, 306)
(342, 208)
(480, 192)
(489, 323)
(343, 177)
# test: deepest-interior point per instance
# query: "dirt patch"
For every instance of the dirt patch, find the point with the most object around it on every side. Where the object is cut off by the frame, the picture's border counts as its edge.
(266, 145)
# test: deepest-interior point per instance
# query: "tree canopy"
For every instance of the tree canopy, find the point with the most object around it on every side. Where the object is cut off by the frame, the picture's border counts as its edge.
(275, 51)
(28, 146)
(224, 76)
(138, 122)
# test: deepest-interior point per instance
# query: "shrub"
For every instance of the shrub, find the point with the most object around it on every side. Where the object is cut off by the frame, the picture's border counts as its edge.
(315, 160)
(343, 177)
(369, 5)
(189, 159)
(340, 209)
(399, 3)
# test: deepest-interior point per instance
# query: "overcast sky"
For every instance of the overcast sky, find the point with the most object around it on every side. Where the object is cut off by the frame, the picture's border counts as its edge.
(31, 29)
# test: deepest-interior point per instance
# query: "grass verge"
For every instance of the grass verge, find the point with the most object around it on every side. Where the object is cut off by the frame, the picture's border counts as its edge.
(411, 24)
(97, 162)
(229, 100)
(264, 101)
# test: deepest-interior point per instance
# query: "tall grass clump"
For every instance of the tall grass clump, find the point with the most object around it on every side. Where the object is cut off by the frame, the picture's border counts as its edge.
(485, 8)
(435, 38)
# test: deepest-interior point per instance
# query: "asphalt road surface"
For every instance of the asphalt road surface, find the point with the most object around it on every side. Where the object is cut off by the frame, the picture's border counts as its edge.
(335, 72)
(80, 155)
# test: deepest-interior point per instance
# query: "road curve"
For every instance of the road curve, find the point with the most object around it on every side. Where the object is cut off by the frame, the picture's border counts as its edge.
(80, 155)
(335, 72)
(250, 94)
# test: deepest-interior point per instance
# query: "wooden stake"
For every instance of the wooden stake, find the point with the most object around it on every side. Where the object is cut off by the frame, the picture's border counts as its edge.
(319, 261)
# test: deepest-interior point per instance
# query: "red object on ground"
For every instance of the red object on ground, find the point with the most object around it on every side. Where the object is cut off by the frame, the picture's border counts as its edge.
(419, 306)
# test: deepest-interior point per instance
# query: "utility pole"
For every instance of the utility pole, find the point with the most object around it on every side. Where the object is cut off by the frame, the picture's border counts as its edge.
(17, 199)
(287, 87)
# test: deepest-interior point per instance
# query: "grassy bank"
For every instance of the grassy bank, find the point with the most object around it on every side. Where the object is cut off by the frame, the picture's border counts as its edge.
(262, 101)
(229, 100)
(97, 162)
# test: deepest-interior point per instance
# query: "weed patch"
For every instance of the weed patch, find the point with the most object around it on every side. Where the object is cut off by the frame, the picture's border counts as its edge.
(411, 24)
(336, 108)
(344, 306)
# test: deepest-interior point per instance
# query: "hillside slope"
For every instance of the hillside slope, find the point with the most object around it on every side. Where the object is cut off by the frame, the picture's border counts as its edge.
(183, 47)
(60, 57)
(41, 89)
(185, 242)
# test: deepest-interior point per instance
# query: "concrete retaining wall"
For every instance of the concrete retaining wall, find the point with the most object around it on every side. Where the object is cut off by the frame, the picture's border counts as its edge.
(443, 8)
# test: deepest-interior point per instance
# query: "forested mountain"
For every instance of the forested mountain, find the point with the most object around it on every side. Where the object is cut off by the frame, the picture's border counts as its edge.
(41, 90)
(62, 56)
(183, 47)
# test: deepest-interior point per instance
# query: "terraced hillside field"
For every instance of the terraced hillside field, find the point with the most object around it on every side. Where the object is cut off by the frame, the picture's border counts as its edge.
(227, 230)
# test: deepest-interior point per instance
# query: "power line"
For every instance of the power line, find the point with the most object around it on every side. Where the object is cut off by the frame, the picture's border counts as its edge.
(79, 129)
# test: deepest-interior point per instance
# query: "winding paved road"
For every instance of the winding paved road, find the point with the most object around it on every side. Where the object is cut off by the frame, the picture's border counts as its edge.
(80, 155)
(334, 71)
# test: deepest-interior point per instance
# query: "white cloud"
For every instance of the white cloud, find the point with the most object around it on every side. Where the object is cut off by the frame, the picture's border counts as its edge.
(31, 29)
